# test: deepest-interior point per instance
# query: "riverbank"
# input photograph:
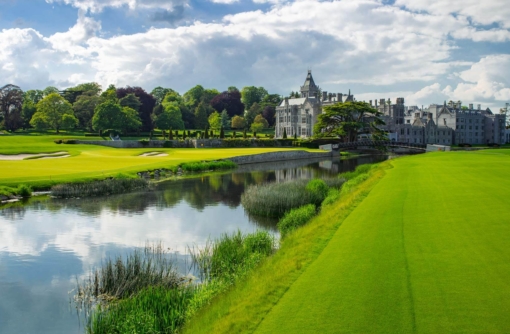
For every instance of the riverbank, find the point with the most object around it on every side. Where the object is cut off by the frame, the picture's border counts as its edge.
(419, 246)
(90, 162)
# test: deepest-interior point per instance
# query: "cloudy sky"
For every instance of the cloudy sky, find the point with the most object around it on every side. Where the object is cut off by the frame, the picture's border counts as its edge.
(424, 50)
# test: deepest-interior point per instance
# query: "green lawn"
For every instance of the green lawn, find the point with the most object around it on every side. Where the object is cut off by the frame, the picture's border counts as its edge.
(91, 161)
(428, 251)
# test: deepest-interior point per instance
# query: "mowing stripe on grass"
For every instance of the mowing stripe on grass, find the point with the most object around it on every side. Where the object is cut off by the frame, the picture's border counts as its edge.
(426, 252)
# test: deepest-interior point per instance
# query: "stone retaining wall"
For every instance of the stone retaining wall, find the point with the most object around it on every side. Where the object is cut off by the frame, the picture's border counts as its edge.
(279, 156)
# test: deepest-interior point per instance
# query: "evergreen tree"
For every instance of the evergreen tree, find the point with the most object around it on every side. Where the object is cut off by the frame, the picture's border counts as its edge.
(201, 116)
(206, 133)
(284, 133)
(170, 134)
(222, 133)
(225, 119)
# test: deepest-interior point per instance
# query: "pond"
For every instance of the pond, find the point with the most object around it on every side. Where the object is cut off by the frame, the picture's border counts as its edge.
(47, 244)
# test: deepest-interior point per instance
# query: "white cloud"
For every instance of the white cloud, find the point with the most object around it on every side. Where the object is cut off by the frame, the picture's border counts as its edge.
(96, 6)
(227, 2)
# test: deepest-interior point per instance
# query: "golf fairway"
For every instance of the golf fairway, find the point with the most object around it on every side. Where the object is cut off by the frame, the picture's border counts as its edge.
(428, 251)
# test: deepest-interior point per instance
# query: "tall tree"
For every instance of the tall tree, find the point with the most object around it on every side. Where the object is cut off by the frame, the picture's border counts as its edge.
(230, 101)
(269, 113)
(170, 118)
(347, 119)
(272, 100)
(130, 101)
(252, 94)
(55, 112)
(252, 113)
(215, 121)
(108, 115)
(201, 121)
(238, 122)
(160, 92)
(11, 105)
(89, 89)
(84, 109)
(225, 120)
(110, 94)
(50, 90)
(129, 120)
(147, 106)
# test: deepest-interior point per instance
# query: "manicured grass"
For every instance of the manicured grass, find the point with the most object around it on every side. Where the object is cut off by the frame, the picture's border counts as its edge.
(91, 161)
(426, 252)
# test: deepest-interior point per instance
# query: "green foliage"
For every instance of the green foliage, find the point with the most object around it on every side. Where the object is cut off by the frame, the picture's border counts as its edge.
(225, 120)
(318, 190)
(130, 101)
(159, 93)
(251, 95)
(284, 133)
(361, 169)
(54, 112)
(238, 122)
(129, 120)
(98, 188)
(84, 109)
(69, 141)
(201, 121)
(110, 95)
(296, 218)
(215, 121)
(24, 191)
(107, 115)
(252, 112)
(222, 133)
(207, 166)
(333, 196)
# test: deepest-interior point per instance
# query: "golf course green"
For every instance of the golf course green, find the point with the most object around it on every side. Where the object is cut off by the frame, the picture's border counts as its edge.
(428, 251)
(75, 163)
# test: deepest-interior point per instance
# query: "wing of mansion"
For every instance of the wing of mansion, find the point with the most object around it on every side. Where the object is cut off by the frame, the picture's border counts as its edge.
(448, 124)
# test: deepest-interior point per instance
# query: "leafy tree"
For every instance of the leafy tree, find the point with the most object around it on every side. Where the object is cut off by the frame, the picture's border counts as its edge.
(160, 92)
(222, 133)
(50, 90)
(230, 101)
(272, 100)
(90, 89)
(215, 121)
(108, 115)
(252, 94)
(238, 122)
(130, 101)
(256, 127)
(55, 112)
(225, 120)
(28, 110)
(147, 106)
(269, 113)
(129, 120)
(261, 120)
(201, 121)
(110, 94)
(11, 105)
(252, 113)
(84, 109)
(33, 95)
(194, 96)
(346, 119)
(171, 117)
(232, 88)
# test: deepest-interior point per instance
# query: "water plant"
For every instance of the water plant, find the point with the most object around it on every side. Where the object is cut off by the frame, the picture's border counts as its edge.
(99, 188)
(208, 165)
(296, 218)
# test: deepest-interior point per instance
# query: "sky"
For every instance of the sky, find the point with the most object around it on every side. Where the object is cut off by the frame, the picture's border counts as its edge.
(426, 51)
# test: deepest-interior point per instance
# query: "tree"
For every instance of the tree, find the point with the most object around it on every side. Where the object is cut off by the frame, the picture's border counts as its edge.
(201, 121)
(108, 115)
(238, 122)
(160, 92)
(256, 127)
(232, 88)
(261, 120)
(148, 102)
(130, 101)
(252, 94)
(171, 117)
(110, 94)
(225, 120)
(222, 133)
(252, 113)
(33, 95)
(28, 110)
(193, 96)
(84, 109)
(50, 90)
(215, 121)
(129, 121)
(11, 105)
(90, 89)
(230, 101)
(272, 100)
(269, 113)
(284, 133)
(55, 112)
(346, 119)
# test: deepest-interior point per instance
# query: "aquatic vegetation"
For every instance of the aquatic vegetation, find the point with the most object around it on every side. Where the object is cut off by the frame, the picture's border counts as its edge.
(207, 165)
(296, 218)
(99, 188)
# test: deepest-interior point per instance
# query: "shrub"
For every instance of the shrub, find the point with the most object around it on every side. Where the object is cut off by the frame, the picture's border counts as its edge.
(58, 141)
(296, 218)
(333, 196)
(361, 169)
(99, 188)
(69, 141)
(168, 144)
(318, 190)
(207, 165)
(24, 191)
(144, 142)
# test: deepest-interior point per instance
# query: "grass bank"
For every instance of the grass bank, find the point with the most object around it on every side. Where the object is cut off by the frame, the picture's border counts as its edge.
(425, 252)
(243, 307)
(91, 162)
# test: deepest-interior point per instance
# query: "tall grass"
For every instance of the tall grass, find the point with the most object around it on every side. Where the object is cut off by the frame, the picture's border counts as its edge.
(275, 199)
(361, 169)
(99, 188)
(155, 309)
(296, 218)
(10, 192)
(208, 165)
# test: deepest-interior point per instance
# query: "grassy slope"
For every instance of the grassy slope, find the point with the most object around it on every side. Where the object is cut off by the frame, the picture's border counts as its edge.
(426, 252)
(91, 161)
(242, 308)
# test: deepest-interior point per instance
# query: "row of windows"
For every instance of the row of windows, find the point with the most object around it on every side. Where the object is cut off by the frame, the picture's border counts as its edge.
(470, 121)
(470, 127)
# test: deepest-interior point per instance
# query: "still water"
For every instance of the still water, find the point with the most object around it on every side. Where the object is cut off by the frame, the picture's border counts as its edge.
(47, 244)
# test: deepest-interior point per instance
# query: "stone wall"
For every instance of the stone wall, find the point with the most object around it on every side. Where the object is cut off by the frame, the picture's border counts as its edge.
(279, 156)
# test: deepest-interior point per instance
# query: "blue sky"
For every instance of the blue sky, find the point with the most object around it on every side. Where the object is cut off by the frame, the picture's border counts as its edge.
(424, 50)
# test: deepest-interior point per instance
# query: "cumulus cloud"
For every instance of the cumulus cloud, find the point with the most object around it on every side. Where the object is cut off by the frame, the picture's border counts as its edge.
(96, 6)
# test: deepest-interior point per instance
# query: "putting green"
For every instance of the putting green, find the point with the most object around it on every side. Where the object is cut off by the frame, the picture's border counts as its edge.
(92, 161)
(428, 251)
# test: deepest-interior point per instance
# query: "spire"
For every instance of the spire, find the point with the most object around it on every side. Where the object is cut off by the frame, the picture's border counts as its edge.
(309, 88)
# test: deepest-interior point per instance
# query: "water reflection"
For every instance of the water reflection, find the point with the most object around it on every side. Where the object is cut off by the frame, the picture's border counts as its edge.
(46, 244)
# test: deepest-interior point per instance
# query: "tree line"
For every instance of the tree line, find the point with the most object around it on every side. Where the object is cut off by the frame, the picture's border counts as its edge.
(132, 109)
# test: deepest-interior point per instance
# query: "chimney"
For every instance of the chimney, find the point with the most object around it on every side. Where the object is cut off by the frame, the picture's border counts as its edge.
(479, 107)
(471, 106)
(416, 115)
(286, 100)
(340, 97)
(370, 102)
(382, 102)
(429, 116)
(324, 95)
(330, 96)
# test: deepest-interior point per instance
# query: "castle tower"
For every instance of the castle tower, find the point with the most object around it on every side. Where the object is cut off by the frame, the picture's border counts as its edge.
(309, 89)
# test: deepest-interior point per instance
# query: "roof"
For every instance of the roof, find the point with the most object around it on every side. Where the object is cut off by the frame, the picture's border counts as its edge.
(294, 102)
(309, 83)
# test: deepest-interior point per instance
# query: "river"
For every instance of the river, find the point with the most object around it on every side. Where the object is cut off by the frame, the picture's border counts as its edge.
(47, 244)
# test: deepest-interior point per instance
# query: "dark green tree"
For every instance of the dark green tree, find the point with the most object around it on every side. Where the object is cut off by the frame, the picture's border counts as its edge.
(284, 133)
(131, 101)
(251, 95)
(222, 133)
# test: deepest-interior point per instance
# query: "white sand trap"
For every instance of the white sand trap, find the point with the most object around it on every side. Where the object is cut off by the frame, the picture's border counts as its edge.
(60, 156)
(154, 154)
(40, 155)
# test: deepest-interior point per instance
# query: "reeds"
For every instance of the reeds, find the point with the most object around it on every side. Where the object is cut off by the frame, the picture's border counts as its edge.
(296, 218)
(99, 188)
(275, 199)
(207, 165)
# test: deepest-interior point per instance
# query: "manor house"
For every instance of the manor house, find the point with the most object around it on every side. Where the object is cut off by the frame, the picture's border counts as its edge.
(446, 124)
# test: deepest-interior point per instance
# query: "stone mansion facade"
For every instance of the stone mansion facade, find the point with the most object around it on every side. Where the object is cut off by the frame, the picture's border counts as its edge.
(447, 124)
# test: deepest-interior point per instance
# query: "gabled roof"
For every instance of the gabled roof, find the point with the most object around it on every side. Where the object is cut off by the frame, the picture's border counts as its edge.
(418, 122)
(294, 102)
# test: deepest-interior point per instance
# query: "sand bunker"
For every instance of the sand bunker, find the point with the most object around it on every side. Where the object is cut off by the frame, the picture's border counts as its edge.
(154, 154)
(62, 154)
